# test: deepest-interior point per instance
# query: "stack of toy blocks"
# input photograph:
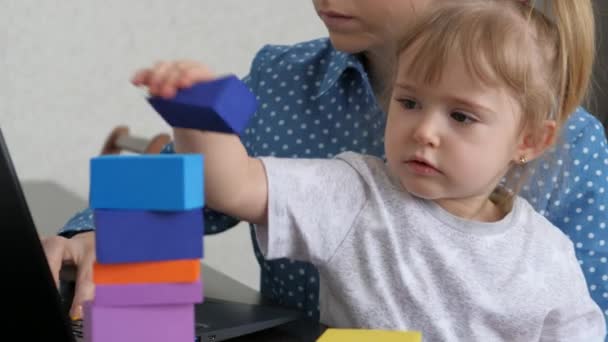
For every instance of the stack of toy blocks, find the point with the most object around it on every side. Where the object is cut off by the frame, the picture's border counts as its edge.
(148, 216)
(149, 244)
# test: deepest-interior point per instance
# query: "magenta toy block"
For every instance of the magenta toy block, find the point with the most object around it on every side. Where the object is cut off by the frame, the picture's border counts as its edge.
(138, 235)
(161, 323)
(148, 294)
(222, 105)
(147, 182)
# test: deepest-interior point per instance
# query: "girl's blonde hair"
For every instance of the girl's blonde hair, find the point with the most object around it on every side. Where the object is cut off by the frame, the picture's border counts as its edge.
(544, 56)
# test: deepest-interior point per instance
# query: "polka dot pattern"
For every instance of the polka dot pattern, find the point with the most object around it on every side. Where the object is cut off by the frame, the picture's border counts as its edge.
(569, 187)
(316, 102)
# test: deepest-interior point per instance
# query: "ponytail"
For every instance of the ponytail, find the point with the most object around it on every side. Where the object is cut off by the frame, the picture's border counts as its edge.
(575, 53)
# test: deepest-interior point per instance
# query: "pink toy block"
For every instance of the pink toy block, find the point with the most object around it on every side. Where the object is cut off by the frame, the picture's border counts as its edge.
(148, 294)
(161, 323)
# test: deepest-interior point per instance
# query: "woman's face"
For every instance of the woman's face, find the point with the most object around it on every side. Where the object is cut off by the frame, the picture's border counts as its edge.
(361, 25)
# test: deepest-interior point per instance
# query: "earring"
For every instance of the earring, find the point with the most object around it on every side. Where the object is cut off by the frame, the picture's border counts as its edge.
(523, 160)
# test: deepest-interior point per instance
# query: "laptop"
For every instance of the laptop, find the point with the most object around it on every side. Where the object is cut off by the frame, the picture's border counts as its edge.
(36, 310)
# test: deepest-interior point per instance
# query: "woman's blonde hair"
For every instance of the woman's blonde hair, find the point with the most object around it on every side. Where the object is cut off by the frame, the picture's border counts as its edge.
(544, 56)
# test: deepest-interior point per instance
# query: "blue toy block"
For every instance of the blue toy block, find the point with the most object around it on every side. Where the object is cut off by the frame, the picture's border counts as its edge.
(222, 105)
(136, 235)
(149, 323)
(147, 182)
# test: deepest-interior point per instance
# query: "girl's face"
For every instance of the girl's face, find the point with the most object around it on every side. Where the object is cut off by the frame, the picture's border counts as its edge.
(451, 140)
(360, 25)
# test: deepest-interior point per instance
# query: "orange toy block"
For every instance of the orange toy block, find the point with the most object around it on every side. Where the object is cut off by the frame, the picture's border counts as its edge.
(169, 271)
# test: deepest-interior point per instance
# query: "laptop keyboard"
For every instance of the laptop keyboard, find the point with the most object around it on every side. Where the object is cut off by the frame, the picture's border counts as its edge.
(77, 330)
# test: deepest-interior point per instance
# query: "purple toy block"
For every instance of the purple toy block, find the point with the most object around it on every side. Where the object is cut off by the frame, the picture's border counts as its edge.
(148, 294)
(138, 235)
(161, 323)
(222, 105)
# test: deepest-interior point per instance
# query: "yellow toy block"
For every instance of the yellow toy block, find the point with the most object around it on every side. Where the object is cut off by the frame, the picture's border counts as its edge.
(365, 335)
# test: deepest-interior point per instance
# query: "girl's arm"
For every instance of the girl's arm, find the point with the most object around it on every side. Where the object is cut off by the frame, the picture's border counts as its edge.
(235, 184)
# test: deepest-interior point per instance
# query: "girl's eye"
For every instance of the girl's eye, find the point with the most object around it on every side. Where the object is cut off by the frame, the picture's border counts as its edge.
(409, 104)
(462, 118)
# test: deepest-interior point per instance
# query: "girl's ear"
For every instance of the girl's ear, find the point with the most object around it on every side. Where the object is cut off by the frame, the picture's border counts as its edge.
(534, 143)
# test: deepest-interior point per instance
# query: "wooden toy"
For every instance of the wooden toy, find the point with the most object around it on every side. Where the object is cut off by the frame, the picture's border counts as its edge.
(365, 335)
(170, 271)
(124, 236)
(147, 182)
(148, 294)
(151, 323)
(223, 105)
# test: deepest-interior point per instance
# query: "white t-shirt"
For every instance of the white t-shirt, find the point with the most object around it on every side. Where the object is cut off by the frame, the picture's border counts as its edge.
(388, 260)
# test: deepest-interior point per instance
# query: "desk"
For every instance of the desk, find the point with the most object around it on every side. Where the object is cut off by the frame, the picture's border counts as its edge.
(222, 287)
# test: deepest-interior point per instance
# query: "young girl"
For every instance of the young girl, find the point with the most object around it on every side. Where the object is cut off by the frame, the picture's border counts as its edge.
(431, 239)
(318, 98)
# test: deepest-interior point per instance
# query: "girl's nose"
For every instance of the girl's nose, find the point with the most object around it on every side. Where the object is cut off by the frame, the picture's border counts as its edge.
(427, 129)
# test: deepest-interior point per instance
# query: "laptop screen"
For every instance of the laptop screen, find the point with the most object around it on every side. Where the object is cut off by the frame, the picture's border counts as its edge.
(30, 300)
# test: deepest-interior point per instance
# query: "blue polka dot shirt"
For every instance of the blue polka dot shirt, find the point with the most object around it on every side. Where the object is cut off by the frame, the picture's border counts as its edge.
(316, 102)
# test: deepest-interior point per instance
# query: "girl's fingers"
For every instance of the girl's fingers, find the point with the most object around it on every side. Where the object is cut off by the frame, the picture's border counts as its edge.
(157, 78)
(166, 78)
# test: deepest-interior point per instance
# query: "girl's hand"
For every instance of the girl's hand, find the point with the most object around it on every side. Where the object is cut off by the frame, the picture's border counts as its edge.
(166, 78)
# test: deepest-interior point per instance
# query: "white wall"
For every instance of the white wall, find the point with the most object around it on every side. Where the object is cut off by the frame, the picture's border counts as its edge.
(65, 70)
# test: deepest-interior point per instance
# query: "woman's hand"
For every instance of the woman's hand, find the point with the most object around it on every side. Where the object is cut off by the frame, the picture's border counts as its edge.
(80, 252)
